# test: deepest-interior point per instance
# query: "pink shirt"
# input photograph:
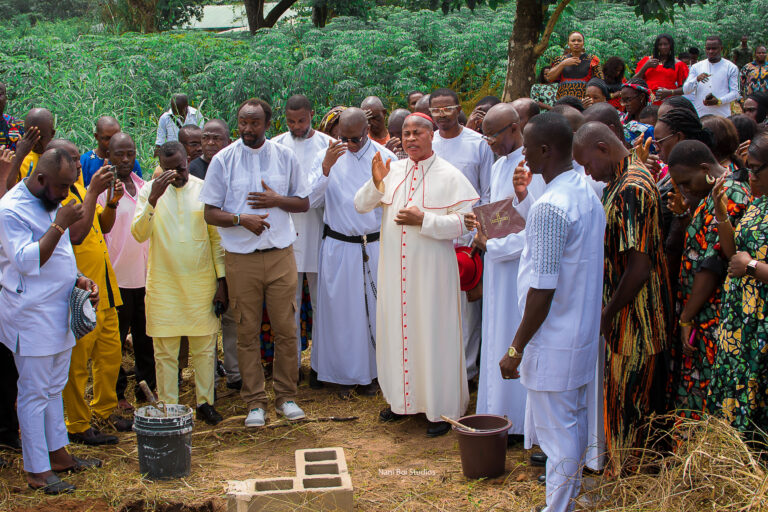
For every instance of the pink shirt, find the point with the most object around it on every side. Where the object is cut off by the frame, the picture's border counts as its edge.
(128, 257)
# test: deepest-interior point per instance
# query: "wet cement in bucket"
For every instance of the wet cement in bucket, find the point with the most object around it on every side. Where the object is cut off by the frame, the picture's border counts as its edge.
(164, 440)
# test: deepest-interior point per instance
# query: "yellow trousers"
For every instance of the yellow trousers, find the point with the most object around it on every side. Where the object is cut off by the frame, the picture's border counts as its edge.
(202, 353)
(102, 347)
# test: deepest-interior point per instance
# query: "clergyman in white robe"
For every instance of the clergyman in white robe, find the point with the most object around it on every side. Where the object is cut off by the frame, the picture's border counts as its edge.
(308, 225)
(343, 344)
(419, 350)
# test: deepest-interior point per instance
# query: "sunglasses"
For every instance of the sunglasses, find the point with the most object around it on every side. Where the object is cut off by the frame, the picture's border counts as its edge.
(444, 111)
(352, 140)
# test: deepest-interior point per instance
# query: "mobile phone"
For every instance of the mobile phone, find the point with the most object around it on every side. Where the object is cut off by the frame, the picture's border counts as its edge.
(113, 170)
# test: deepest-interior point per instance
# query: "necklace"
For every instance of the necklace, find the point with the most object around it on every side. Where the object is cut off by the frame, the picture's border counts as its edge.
(408, 197)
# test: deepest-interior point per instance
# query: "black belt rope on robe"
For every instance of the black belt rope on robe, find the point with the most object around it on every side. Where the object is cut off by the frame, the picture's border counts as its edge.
(363, 240)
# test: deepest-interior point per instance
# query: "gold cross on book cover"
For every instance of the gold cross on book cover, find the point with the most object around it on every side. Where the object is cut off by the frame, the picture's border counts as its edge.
(499, 219)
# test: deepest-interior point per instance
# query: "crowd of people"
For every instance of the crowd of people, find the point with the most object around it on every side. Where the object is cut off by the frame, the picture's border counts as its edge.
(637, 287)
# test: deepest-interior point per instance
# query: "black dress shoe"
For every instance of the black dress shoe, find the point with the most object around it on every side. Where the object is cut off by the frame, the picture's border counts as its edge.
(238, 385)
(369, 389)
(345, 392)
(387, 415)
(313, 382)
(92, 437)
(208, 414)
(538, 459)
(54, 485)
(514, 440)
(80, 465)
(13, 444)
(542, 479)
(438, 429)
(120, 424)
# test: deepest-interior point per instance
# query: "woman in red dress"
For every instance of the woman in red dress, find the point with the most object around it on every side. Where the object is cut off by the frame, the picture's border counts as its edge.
(664, 74)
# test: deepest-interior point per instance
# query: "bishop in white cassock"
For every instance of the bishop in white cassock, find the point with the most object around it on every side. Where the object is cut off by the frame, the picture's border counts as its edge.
(501, 316)
(344, 344)
(419, 352)
(306, 143)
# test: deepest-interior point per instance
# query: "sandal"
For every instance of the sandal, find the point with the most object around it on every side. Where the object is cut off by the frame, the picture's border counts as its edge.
(53, 486)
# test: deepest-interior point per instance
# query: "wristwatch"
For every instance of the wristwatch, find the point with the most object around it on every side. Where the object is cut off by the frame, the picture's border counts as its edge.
(752, 268)
(513, 353)
(236, 220)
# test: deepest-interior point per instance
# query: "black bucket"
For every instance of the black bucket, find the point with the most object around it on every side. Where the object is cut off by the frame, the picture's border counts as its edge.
(164, 441)
(483, 454)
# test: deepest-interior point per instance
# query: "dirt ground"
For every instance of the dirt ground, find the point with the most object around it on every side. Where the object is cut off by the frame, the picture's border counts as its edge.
(392, 466)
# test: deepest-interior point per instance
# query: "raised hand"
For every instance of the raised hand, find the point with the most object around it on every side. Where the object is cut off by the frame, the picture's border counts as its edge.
(119, 191)
(721, 201)
(742, 150)
(267, 199)
(69, 214)
(379, 170)
(254, 223)
(27, 142)
(676, 202)
(394, 144)
(6, 159)
(475, 121)
(521, 179)
(102, 179)
(332, 154)
(159, 186)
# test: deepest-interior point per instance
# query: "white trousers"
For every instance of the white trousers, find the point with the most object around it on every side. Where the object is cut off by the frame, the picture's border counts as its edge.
(40, 407)
(557, 422)
(312, 282)
(471, 328)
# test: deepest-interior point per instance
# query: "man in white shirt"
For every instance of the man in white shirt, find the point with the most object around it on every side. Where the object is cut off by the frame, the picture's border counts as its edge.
(38, 274)
(554, 351)
(465, 150)
(306, 143)
(713, 84)
(344, 345)
(180, 114)
(509, 178)
(251, 188)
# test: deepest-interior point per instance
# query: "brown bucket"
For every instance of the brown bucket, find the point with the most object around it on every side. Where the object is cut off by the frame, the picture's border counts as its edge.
(483, 454)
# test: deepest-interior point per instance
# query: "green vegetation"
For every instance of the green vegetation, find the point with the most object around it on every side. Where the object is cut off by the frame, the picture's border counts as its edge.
(80, 74)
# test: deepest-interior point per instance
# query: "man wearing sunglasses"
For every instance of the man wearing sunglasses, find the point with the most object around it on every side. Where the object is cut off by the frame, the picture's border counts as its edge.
(464, 149)
(348, 262)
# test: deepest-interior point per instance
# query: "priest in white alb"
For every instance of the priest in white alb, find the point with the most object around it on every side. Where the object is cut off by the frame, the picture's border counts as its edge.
(501, 315)
(419, 350)
(344, 343)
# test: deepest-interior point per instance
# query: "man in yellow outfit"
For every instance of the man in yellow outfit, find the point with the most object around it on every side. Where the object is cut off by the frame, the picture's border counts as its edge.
(102, 345)
(185, 277)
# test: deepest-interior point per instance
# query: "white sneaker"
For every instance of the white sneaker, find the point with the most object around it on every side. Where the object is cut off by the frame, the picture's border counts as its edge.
(291, 411)
(256, 418)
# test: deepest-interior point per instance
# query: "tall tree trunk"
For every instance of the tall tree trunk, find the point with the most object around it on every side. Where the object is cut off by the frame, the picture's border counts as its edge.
(254, 10)
(525, 46)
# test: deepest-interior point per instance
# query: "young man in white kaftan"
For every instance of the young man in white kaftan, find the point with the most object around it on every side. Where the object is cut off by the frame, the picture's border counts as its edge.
(344, 343)
(419, 352)
(559, 287)
(306, 143)
(464, 149)
(501, 317)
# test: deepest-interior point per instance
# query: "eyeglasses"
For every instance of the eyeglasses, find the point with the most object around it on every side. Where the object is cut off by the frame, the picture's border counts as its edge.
(444, 111)
(492, 138)
(627, 101)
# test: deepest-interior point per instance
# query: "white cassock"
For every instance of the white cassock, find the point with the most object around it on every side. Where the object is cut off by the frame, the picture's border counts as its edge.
(343, 349)
(501, 316)
(308, 225)
(471, 155)
(419, 352)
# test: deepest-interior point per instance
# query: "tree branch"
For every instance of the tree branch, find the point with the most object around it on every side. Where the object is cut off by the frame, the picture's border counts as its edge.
(277, 11)
(544, 42)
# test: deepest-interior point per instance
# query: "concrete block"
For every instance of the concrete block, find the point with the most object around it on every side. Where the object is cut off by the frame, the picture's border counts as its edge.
(322, 483)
